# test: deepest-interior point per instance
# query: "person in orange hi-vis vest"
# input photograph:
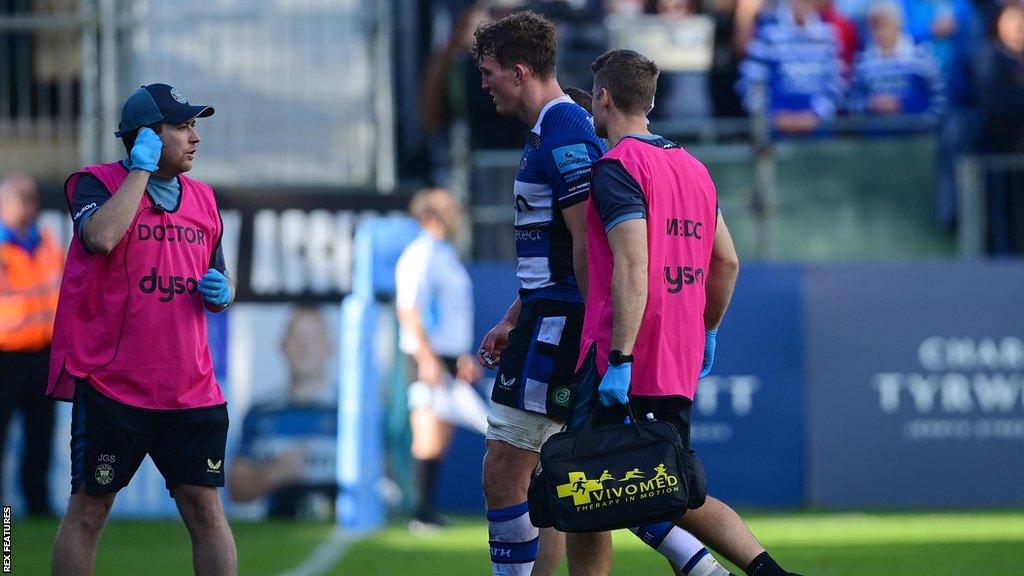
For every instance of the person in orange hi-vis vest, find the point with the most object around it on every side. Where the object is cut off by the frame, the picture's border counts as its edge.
(31, 264)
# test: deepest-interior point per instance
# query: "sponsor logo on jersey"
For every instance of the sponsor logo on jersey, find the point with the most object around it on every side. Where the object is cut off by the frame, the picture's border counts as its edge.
(569, 158)
(168, 286)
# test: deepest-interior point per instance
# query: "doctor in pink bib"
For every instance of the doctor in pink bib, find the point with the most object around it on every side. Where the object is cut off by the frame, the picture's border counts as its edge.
(129, 346)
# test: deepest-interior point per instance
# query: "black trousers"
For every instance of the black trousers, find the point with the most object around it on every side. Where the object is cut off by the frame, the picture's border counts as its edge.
(23, 386)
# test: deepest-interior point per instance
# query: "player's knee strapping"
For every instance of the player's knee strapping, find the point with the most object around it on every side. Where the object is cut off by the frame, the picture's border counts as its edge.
(680, 548)
(513, 540)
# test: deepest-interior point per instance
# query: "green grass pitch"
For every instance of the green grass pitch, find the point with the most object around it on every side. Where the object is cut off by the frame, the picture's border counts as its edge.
(814, 544)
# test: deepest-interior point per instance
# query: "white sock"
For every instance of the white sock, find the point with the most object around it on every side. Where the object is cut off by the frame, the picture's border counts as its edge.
(707, 566)
(681, 549)
(513, 541)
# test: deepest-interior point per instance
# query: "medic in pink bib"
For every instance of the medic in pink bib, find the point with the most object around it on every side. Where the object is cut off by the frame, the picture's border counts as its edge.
(130, 350)
(662, 269)
(144, 265)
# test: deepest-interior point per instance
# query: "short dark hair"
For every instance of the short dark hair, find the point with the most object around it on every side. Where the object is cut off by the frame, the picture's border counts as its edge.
(580, 96)
(630, 77)
(128, 138)
(522, 37)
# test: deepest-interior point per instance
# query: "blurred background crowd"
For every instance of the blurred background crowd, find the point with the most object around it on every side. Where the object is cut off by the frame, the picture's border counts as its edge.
(383, 96)
(812, 68)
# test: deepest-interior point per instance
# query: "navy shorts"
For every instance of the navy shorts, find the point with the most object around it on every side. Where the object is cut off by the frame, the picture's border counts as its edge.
(672, 409)
(537, 368)
(109, 441)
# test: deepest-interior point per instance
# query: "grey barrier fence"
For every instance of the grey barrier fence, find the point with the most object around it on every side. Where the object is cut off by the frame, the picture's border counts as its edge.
(991, 200)
(867, 190)
(302, 88)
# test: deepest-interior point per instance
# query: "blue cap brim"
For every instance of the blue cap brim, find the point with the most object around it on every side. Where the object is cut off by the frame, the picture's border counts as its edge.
(186, 113)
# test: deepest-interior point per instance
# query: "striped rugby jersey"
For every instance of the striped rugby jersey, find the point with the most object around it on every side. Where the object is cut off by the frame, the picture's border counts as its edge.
(554, 174)
(800, 65)
(910, 73)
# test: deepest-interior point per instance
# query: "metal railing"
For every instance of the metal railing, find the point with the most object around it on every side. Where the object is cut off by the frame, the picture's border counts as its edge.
(45, 92)
(986, 184)
(302, 88)
(764, 201)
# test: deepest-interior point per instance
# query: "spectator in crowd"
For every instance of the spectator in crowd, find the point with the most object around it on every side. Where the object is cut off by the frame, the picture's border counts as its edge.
(451, 91)
(725, 62)
(846, 30)
(287, 448)
(950, 28)
(746, 17)
(31, 264)
(434, 302)
(624, 7)
(857, 12)
(1001, 98)
(894, 76)
(1001, 84)
(682, 94)
(794, 56)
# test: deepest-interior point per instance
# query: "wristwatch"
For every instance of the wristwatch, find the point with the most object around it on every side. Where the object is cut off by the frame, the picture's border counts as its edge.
(617, 358)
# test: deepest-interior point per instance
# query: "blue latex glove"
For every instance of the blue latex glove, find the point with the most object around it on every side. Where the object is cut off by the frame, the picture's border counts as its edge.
(146, 151)
(709, 352)
(215, 288)
(614, 387)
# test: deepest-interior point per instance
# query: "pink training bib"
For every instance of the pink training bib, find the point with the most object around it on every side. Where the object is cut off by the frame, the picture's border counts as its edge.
(132, 323)
(682, 214)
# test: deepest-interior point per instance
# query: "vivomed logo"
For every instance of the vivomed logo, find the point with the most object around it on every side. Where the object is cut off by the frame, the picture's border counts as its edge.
(213, 467)
(167, 285)
(7, 540)
(632, 485)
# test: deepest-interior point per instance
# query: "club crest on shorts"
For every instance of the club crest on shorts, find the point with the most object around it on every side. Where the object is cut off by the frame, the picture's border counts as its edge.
(104, 474)
(561, 396)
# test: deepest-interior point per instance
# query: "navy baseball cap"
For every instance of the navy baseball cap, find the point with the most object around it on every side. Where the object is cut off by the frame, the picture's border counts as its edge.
(157, 103)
